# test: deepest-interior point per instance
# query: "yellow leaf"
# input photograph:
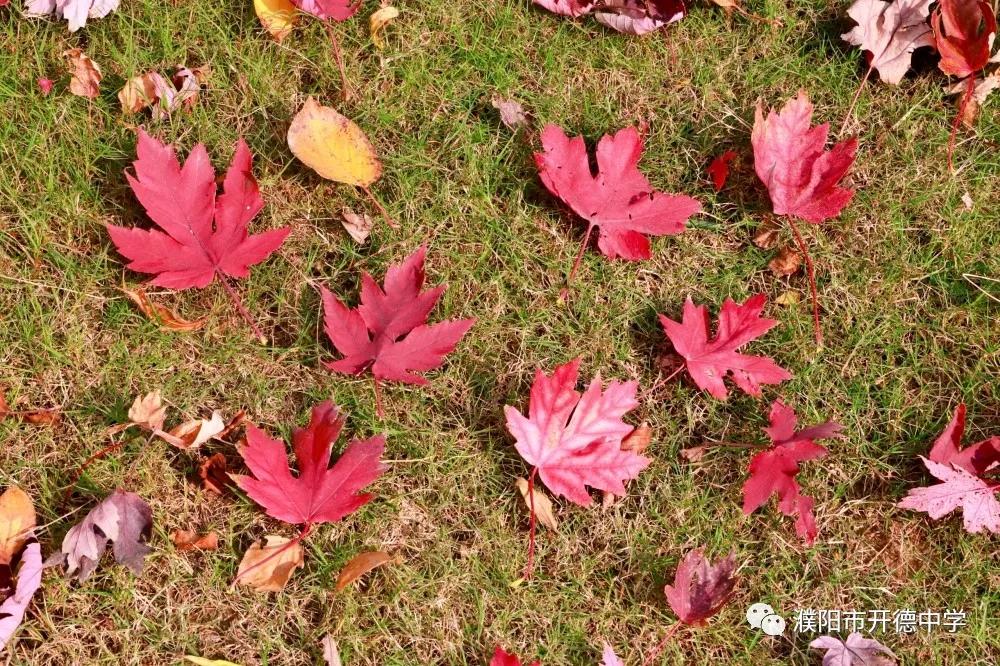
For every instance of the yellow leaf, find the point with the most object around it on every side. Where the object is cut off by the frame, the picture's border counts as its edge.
(201, 661)
(333, 146)
(277, 16)
(17, 519)
(543, 505)
(377, 23)
(267, 568)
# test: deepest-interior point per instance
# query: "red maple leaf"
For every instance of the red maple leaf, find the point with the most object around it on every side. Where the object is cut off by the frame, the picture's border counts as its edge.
(700, 588)
(503, 658)
(718, 170)
(618, 199)
(338, 10)
(320, 493)
(962, 472)
(203, 237)
(772, 472)
(387, 331)
(963, 34)
(709, 361)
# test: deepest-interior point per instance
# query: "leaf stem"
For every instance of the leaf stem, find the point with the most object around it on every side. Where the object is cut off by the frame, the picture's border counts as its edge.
(86, 463)
(854, 100)
(346, 91)
(238, 303)
(379, 411)
(378, 204)
(576, 263)
(655, 652)
(529, 567)
(303, 533)
(812, 279)
(970, 87)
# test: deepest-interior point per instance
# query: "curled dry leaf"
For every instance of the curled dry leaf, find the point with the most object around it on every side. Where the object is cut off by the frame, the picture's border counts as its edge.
(333, 146)
(49, 417)
(377, 23)
(148, 411)
(361, 564)
(543, 505)
(194, 433)
(213, 474)
(767, 236)
(267, 568)
(694, 454)
(17, 520)
(981, 91)
(359, 226)
(86, 74)
(512, 114)
(164, 316)
(163, 95)
(787, 262)
(190, 540)
(639, 439)
(277, 16)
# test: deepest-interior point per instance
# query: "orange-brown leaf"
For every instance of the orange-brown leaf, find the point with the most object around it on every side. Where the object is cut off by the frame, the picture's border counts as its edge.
(17, 519)
(164, 316)
(360, 565)
(190, 540)
(267, 568)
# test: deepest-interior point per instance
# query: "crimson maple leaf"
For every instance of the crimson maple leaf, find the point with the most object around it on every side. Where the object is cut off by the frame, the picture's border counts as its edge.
(709, 361)
(963, 475)
(203, 237)
(387, 331)
(701, 588)
(338, 10)
(574, 440)
(789, 158)
(718, 170)
(618, 199)
(320, 493)
(773, 472)
(503, 658)
(963, 33)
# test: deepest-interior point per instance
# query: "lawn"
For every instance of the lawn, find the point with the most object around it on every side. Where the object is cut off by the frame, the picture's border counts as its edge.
(907, 336)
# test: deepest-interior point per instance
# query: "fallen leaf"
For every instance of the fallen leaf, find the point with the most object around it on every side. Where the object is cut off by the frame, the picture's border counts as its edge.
(29, 579)
(855, 651)
(512, 114)
(46, 417)
(148, 411)
(700, 588)
(890, 32)
(333, 146)
(45, 86)
(359, 565)
(203, 237)
(710, 361)
(194, 433)
(639, 439)
(387, 333)
(802, 178)
(320, 493)
(963, 33)
(502, 658)
(574, 440)
(609, 658)
(123, 518)
(161, 314)
(694, 454)
(267, 568)
(338, 10)
(773, 471)
(638, 17)
(17, 520)
(86, 74)
(718, 170)
(358, 226)
(202, 661)
(277, 16)
(213, 474)
(188, 540)
(981, 91)
(618, 200)
(768, 235)
(377, 23)
(162, 95)
(566, 8)
(543, 505)
(787, 262)
(330, 652)
(76, 12)
(788, 298)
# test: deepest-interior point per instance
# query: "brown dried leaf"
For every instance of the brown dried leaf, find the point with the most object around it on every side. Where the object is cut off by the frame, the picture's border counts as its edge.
(361, 564)
(639, 439)
(788, 262)
(188, 540)
(512, 114)
(267, 568)
(767, 236)
(694, 454)
(543, 505)
(377, 23)
(46, 417)
(86, 74)
(789, 298)
(17, 520)
(164, 316)
(148, 411)
(194, 433)
(358, 226)
(213, 474)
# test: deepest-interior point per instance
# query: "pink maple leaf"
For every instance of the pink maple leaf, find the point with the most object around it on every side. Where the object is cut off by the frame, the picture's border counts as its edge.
(773, 472)
(701, 588)
(201, 237)
(709, 361)
(618, 199)
(387, 332)
(975, 458)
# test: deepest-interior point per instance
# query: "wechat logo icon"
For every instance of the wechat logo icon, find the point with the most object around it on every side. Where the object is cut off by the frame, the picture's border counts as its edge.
(762, 616)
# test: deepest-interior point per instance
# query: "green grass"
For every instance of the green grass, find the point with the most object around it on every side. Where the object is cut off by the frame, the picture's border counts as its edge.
(907, 336)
